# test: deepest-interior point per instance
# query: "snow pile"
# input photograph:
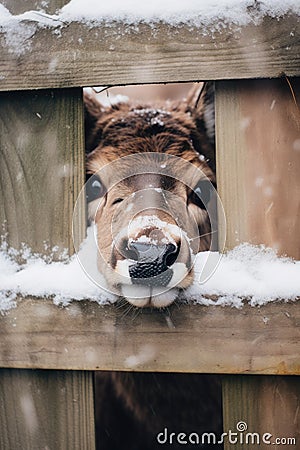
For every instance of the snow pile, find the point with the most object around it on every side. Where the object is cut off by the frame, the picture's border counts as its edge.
(153, 222)
(63, 280)
(174, 12)
(248, 271)
(201, 13)
(252, 272)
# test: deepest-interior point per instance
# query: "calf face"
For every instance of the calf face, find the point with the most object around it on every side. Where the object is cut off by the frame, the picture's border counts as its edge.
(151, 180)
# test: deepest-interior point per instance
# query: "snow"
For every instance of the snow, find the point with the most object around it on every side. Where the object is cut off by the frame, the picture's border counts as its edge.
(254, 273)
(4, 13)
(146, 354)
(144, 222)
(173, 11)
(207, 15)
(63, 280)
(248, 271)
(153, 116)
(296, 145)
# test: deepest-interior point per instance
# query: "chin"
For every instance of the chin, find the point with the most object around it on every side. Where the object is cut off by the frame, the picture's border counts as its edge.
(149, 297)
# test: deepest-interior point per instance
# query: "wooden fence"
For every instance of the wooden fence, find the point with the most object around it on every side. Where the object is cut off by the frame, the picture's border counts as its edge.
(41, 130)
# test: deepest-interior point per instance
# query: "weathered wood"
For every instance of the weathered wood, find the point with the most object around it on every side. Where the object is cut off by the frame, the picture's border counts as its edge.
(41, 162)
(114, 53)
(269, 405)
(41, 174)
(46, 410)
(258, 137)
(255, 143)
(193, 339)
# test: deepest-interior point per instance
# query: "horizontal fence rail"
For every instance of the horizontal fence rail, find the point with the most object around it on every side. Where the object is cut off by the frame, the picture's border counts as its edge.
(196, 338)
(114, 54)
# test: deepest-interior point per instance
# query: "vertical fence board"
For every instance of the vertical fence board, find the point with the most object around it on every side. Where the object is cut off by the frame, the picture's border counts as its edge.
(258, 130)
(41, 164)
(258, 158)
(41, 174)
(42, 409)
(267, 404)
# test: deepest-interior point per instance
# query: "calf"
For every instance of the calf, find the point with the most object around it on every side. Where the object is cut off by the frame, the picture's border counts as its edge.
(151, 194)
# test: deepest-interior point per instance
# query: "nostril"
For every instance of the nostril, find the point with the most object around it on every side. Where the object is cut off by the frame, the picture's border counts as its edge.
(132, 254)
(171, 254)
(152, 266)
(144, 252)
(148, 253)
(128, 251)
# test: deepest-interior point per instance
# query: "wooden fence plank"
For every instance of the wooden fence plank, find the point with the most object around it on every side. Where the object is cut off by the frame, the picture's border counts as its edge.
(258, 137)
(251, 137)
(46, 410)
(41, 166)
(196, 338)
(117, 54)
(41, 174)
(269, 405)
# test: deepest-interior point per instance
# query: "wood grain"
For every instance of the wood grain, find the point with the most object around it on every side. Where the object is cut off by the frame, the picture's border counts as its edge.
(117, 54)
(256, 143)
(258, 135)
(41, 160)
(41, 174)
(270, 404)
(46, 410)
(87, 336)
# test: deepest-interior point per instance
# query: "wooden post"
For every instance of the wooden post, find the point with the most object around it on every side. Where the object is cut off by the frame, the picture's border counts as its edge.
(41, 174)
(267, 405)
(42, 167)
(46, 409)
(257, 125)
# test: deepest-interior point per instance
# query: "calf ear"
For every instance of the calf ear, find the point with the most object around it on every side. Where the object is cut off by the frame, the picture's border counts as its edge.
(92, 113)
(201, 100)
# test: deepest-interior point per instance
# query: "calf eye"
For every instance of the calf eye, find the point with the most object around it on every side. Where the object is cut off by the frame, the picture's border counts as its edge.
(94, 189)
(117, 200)
(201, 194)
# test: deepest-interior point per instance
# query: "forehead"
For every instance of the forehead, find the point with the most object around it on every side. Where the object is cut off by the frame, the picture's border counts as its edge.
(143, 121)
(133, 131)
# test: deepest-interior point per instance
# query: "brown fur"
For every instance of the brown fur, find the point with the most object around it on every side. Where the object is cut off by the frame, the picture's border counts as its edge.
(125, 129)
(133, 407)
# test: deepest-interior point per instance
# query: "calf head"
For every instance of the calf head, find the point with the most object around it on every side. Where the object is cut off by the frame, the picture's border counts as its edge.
(151, 179)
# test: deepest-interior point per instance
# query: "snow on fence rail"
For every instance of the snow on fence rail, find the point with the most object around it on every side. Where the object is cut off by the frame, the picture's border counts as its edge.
(247, 274)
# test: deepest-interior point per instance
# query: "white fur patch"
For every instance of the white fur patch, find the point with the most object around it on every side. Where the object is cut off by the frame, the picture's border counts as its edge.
(179, 273)
(142, 296)
(136, 295)
(122, 268)
(164, 299)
